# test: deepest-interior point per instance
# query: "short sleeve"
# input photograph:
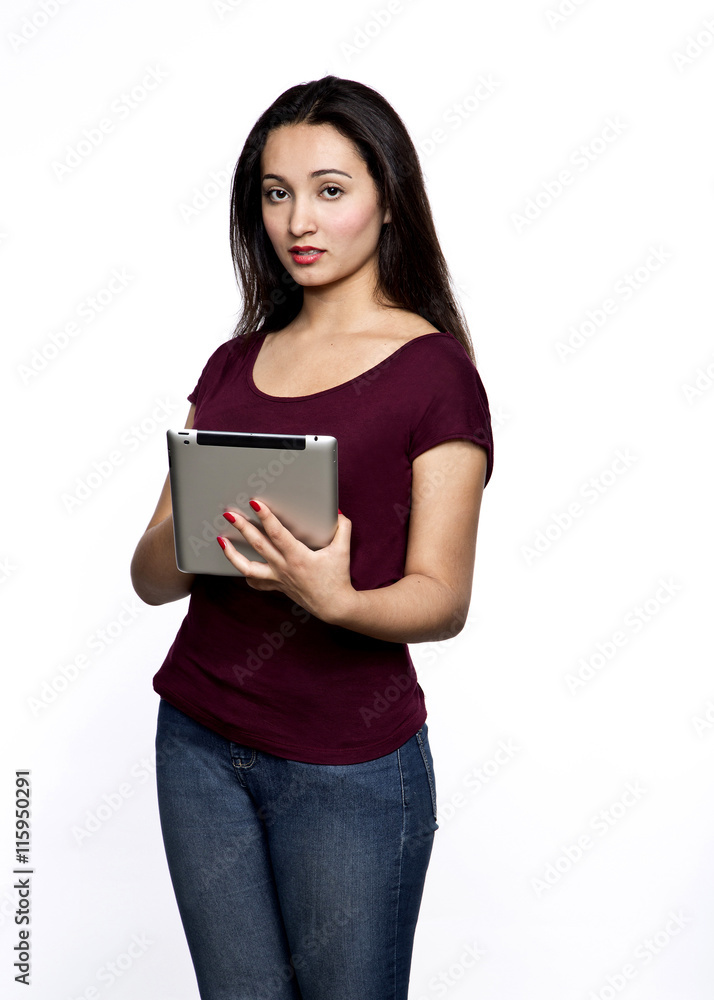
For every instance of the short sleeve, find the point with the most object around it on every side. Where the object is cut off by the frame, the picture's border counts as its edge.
(193, 395)
(452, 401)
(213, 369)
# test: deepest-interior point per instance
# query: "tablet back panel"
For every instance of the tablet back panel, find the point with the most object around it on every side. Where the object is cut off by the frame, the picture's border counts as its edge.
(213, 471)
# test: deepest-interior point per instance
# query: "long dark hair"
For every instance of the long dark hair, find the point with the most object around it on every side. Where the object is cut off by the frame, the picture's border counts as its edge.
(412, 271)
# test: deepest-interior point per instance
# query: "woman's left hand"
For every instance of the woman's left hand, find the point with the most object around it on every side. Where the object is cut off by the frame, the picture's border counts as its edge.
(317, 580)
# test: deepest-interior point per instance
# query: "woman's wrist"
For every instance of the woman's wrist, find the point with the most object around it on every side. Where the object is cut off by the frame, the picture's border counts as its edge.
(346, 608)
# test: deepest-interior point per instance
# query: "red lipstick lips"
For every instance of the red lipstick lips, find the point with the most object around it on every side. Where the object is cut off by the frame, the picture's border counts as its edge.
(305, 255)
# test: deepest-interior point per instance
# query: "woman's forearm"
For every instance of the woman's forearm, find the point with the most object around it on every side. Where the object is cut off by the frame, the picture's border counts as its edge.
(416, 608)
(154, 574)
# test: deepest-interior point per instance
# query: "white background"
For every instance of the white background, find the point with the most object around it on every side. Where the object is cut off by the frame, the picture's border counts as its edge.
(623, 764)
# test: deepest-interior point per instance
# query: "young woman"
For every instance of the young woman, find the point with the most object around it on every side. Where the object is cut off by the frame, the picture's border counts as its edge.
(295, 779)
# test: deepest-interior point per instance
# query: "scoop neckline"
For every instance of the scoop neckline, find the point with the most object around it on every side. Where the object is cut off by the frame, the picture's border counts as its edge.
(323, 392)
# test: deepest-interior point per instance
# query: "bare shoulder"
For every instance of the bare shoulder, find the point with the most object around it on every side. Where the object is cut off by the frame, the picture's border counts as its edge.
(405, 326)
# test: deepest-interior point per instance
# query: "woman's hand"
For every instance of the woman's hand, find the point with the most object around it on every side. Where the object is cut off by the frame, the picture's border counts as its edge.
(318, 581)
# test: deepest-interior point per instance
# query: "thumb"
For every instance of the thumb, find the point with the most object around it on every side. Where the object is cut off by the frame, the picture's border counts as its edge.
(344, 525)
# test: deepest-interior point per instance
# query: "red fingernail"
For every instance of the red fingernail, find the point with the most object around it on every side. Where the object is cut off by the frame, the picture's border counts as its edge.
(339, 511)
(221, 543)
(254, 504)
(229, 517)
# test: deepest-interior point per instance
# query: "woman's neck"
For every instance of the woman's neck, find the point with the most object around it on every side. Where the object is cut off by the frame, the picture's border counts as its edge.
(340, 306)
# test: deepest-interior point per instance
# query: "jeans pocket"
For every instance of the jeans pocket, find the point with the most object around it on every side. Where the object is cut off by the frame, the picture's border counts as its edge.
(423, 743)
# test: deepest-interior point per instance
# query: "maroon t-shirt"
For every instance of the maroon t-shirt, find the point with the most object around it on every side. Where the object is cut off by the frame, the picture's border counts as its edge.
(258, 668)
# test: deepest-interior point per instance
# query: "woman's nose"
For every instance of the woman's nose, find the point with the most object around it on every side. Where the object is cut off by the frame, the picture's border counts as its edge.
(302, 217)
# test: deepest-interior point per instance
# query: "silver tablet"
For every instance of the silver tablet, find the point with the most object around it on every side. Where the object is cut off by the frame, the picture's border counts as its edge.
(213, 471)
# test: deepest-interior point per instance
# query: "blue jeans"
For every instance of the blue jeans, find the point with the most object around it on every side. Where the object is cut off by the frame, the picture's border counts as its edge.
(294, 881)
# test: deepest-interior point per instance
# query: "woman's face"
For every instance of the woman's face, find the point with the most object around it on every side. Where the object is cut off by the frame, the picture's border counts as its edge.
(318, 193)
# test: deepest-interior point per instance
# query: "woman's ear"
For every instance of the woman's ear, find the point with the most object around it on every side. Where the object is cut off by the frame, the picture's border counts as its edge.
(387, 216)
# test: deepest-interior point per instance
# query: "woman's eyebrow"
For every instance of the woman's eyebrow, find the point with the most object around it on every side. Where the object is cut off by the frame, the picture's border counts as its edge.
(315, 173)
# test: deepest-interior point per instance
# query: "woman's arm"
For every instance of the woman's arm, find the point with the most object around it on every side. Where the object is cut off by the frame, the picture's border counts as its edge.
(154, 574)
(432, 599)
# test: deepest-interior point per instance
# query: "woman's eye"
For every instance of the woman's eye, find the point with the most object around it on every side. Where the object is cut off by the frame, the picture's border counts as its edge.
(332, 192)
